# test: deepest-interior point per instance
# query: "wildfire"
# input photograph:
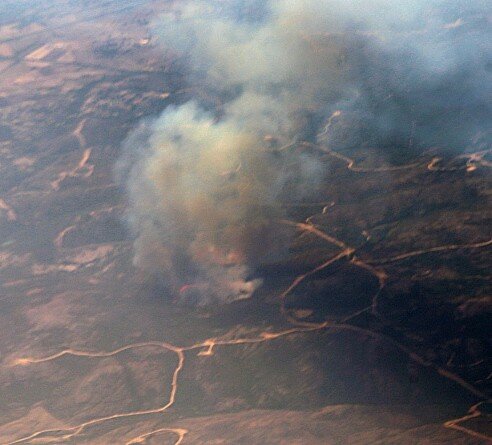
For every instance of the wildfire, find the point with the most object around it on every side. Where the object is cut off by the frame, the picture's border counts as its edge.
(187, 287)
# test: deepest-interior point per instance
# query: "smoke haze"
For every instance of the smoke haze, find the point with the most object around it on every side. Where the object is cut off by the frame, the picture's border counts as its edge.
(205, 186)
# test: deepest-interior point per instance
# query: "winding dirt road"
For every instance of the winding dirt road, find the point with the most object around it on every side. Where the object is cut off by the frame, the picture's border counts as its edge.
(207, 346)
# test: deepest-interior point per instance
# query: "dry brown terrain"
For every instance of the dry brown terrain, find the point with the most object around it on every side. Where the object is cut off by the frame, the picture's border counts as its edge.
(375, 330)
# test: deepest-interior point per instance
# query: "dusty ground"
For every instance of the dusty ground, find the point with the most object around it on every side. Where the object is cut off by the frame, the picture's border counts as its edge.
(374, 331)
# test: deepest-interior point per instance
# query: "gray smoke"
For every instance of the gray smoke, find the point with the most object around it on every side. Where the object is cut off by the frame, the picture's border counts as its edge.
(205, 186)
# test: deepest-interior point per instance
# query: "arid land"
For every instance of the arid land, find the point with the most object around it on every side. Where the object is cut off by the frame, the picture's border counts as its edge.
(375, 330)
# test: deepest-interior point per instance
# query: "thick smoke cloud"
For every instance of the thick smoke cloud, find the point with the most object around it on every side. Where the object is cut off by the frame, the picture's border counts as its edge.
(205, 186)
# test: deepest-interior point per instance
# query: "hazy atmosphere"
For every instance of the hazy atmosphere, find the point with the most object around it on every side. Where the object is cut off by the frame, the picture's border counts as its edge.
(245, 222)
(206, 186)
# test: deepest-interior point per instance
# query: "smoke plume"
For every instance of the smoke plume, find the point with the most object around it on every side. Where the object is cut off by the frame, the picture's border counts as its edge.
(206, 185)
